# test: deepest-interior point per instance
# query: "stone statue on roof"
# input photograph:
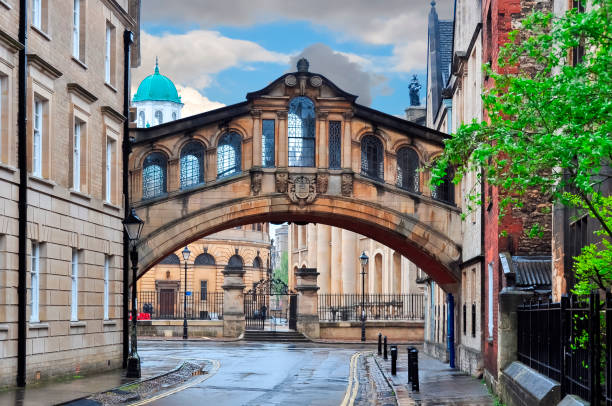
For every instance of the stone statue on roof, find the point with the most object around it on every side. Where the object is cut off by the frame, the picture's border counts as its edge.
(415, 89)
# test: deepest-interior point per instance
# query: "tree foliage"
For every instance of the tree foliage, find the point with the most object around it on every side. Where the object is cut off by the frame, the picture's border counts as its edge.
(549, 123)
(282, 272)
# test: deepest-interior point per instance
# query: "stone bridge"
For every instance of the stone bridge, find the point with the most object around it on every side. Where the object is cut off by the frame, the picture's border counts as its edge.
(299, 150)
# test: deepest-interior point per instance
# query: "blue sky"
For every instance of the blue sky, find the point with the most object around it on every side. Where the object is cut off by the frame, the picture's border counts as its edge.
(216, 52)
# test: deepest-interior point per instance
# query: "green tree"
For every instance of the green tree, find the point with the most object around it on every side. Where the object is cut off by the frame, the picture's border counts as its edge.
(550, 125)
(282, 272)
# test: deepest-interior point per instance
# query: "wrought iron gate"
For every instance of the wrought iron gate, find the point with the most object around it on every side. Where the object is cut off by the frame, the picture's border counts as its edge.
(270, 300)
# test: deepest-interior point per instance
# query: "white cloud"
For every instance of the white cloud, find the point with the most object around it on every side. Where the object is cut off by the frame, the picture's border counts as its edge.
(194, 102)
(399, 23)
(197, 55)
(345, 70)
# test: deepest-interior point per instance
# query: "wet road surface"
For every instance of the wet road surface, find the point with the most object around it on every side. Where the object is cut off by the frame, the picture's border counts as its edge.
(255, 373)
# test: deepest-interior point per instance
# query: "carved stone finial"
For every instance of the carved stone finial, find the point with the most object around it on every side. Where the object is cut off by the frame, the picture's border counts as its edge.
(303, 65)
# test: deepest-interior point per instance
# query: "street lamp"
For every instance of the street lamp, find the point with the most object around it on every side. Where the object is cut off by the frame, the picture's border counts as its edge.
(186, 254)
(133, 226)
(364, 261)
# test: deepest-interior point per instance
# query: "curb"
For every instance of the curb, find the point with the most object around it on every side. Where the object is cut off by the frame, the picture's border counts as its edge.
(397, 401)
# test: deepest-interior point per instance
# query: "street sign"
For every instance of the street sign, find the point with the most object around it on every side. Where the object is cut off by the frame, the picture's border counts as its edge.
(187, 293)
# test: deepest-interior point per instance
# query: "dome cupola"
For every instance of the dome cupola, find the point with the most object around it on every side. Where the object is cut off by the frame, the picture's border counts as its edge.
(157, 87)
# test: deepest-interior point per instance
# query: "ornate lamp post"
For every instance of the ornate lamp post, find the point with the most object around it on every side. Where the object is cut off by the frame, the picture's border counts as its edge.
(364, 261)
(133, 226)
(186, 254)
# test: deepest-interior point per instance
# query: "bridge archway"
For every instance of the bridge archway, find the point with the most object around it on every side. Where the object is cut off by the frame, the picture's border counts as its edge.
(338, 189)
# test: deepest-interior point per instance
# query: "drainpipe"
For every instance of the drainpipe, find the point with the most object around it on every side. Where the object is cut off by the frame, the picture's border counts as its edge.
(22, 333)
(128, 38)
(451, 330)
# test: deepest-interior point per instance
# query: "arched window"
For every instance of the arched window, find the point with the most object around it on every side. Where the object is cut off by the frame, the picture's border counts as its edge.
(192, 164)
(257, 262)
(235, 261)
(204, 259)
(154, 175)
(141, 119)
(445, 191)
(174, 115)
(372, 157)
(408, 169)
(228, 155)
(301, 132)
(159, 117)
(171, 259)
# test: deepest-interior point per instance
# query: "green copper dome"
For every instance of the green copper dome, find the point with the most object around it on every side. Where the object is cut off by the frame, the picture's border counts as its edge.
(157, 87)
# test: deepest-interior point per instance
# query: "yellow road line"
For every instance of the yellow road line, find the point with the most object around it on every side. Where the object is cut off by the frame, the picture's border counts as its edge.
(215, 367)
(353, 382)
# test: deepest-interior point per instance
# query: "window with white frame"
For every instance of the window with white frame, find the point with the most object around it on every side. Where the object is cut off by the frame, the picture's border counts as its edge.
(37, 137)
(76, 29)
(35, 282)
(106, 284)
(108, 192)
(74, 303)
(37, 13)
(109, 54)
(76, 155)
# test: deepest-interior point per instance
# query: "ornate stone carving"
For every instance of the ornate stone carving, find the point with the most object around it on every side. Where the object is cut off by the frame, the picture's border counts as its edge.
(290, 80)
(346, 187)
(322, 115)
(281, 179)
(255, 113)
(322, 181)
(302, 190)
(348, 115)
(316, 81)
(256, 178)
(282, 114)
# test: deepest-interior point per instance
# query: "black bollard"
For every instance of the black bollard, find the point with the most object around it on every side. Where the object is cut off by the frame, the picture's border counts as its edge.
(379, 343)
(410, 373)
(394, 360)
(385, 348)
(415, 369)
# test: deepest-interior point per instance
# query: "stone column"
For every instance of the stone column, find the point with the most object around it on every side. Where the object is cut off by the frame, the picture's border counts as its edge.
(234, 321)
(323, 263)
(256, 115)
(507, 326)
(173, 175)
(281, 151)
(311, 245)
(349, 262)
(336, 261)
(307, 305)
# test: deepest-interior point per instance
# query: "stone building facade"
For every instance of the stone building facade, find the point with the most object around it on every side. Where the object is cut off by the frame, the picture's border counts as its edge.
(74, 99)
(208, 258)
(335, 252)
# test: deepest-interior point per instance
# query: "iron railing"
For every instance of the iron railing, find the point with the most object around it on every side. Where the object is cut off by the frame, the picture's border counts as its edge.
(563, 341)
(403, 306)
(168, 304)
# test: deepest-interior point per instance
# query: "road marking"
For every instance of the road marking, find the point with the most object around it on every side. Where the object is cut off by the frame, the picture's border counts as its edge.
(353, 382)
(215, 367)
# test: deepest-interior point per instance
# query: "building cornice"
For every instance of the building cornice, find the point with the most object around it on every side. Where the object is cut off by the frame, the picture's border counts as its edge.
(123, 15)
(45, 66)
(82, 92)
(112, 113)
(10, 42)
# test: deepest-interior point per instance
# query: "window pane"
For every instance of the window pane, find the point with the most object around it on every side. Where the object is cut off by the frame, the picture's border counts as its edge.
(37, 140)
(335, 142)
(141, 119)
(76, 158)
(267, 147)
(159, 117)
(301, 132)
(192, 165)
(74, 316)
(76, 45)
(107, 56)
(229, 155)
(106, 283)
(109, 169)
(154, 176)
(408, 169)
(372, 157)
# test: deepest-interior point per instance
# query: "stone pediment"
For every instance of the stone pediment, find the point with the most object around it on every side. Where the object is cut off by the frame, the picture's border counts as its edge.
(302, 83)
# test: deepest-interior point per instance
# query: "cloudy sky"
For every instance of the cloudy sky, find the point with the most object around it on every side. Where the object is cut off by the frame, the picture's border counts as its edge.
(216, 51)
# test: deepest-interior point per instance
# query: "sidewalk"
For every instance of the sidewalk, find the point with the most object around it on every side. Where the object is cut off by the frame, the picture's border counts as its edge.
(60, 391)
(439, 385)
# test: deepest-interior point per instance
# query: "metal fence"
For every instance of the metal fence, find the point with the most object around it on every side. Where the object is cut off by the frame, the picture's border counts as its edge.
(168, 304)
(563, 341)
(403, 306)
